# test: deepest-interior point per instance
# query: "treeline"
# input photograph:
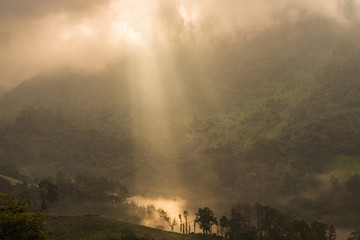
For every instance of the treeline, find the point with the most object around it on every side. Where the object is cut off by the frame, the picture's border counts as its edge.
(247, 222)
(85, 194)
(41, 137)
(251, 222)
(256, 221)
(262, 222)
(259, 222)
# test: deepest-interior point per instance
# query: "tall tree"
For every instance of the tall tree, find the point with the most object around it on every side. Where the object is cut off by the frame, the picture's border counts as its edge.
(180, 219)
(186, 214)
(224, 226)
(323, 231)
(303, 230)
(240, 223)
(48, 194)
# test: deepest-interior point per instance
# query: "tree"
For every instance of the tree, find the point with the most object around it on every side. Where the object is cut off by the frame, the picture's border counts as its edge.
(260, 222)
(102, 189)
(17, 223)
(355, 235)
(240, 223)
(331, 232)
(172, 224)
(180, 223)
(205, 218)
(186, 214)
(48, 194)
(323, 231)
(27, 194)
(164, 216)
(303, 230)
(224, 226)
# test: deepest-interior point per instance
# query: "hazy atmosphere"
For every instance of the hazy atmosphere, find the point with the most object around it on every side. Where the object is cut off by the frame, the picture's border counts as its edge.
(141, 110)
(90, 35)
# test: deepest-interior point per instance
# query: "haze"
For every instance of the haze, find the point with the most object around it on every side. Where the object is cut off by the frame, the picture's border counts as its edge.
(38, 36)
(189, 103)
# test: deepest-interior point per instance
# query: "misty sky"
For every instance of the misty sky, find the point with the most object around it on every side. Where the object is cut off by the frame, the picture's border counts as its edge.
(42, 35)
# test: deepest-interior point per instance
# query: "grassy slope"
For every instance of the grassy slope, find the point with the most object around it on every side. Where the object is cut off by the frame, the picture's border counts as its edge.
(99, 228)
(13, 181)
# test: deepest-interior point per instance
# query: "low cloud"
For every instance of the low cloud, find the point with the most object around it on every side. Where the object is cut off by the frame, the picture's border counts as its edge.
(23, 9)
(41, 35)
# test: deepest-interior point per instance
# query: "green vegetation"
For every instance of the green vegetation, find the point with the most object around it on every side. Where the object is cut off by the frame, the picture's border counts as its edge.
(355, 235)
(275, 113)
(17, 223)
(345, 166)
(206, 219)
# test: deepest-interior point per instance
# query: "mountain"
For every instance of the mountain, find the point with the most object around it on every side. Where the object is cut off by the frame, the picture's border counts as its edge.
(270, 119)
(66, 91)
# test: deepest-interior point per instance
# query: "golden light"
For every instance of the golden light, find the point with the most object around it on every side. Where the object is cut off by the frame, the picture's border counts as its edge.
(173, 206)
(190, 15)
(132, 25)
(82, 29)
(123, 31)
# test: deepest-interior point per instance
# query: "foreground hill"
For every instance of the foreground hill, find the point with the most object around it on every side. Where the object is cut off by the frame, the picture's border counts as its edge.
(98, 228)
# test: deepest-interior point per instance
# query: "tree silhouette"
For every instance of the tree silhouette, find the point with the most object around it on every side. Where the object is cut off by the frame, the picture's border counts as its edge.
(323, 231)
(205, 218)
(48, 194)
(224, 226)
(164, 216)
(180, 223)
(186, 214)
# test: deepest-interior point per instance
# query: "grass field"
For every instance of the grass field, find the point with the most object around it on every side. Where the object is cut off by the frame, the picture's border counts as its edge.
(99, 228)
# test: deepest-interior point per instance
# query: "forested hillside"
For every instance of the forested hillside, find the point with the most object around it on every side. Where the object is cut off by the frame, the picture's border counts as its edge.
(271, 120)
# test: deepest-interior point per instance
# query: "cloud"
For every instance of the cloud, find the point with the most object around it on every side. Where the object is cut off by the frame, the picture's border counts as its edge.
(38, 8)
(38, 35)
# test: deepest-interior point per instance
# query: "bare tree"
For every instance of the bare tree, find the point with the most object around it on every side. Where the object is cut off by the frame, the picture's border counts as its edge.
(172, 224)
(164, 216)
(180, 223)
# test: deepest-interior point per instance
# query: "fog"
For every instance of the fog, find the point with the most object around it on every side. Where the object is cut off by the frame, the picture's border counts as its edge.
(200, 102)
(39, 36)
